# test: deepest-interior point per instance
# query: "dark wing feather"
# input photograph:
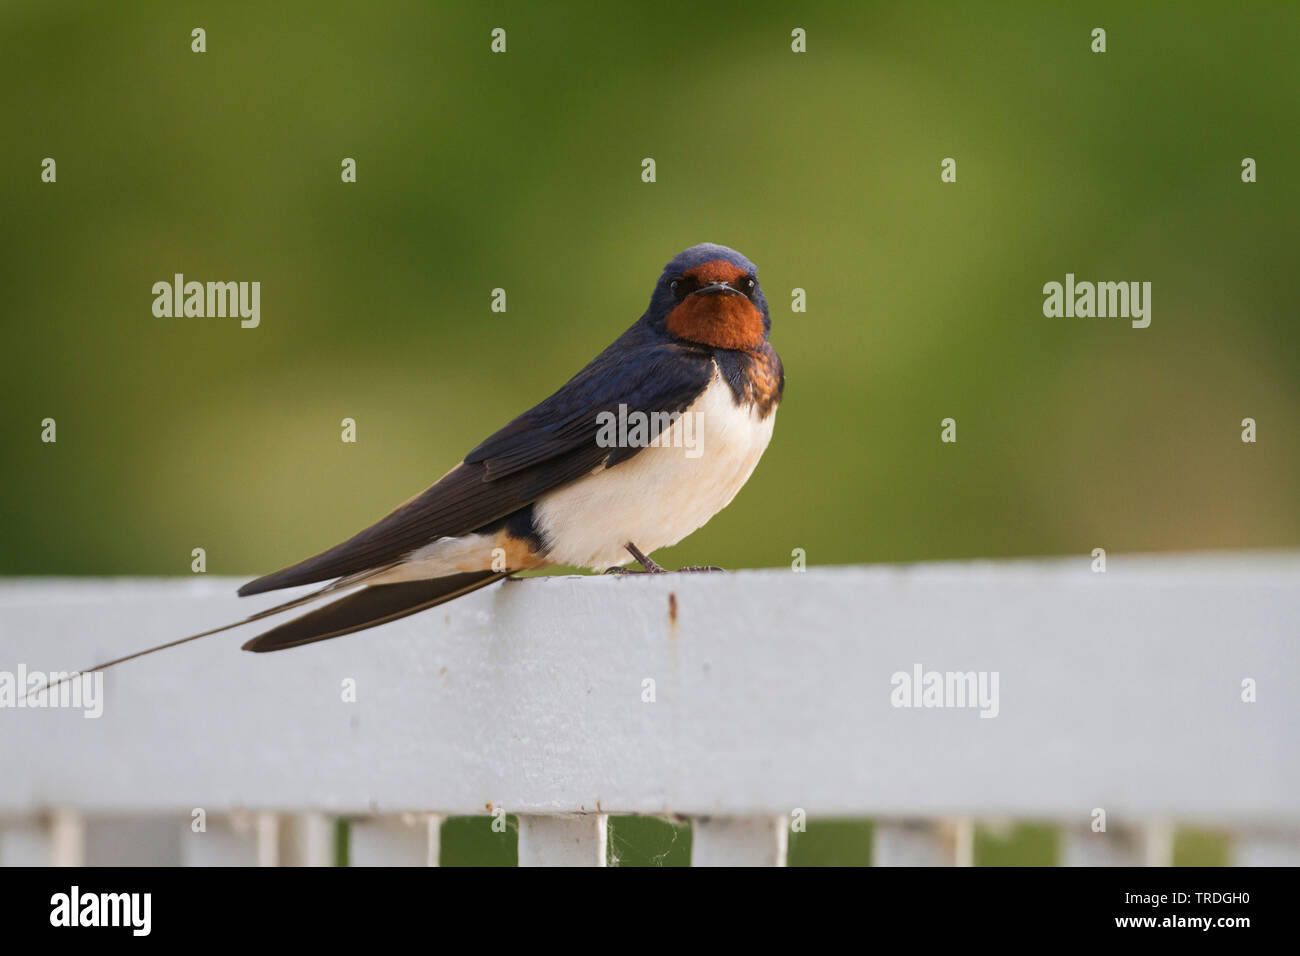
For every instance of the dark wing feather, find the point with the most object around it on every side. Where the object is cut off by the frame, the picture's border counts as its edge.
(658, 377)
(368, 607)
(546, 447)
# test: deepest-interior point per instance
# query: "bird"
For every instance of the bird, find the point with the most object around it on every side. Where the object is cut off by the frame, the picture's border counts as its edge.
(694, 385)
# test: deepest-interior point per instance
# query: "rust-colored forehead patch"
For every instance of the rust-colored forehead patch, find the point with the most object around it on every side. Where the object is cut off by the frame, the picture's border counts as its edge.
(715, 270)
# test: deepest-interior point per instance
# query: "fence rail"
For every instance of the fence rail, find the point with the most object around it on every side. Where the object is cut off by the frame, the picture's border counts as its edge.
(1164, 691)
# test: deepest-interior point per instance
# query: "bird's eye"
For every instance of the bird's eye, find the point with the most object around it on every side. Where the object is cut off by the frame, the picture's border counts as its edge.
(680, 286)
(748, 285)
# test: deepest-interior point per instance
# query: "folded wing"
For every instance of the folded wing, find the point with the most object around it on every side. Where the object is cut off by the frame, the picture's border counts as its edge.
(549, 445)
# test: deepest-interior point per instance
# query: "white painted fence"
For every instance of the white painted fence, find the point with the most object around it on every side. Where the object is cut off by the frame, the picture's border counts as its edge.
(1120, 691)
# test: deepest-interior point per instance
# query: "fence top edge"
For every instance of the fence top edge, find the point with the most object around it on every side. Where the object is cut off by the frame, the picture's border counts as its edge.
(1282, 562)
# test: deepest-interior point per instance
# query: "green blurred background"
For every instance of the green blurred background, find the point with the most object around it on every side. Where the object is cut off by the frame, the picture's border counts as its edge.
(522, 171)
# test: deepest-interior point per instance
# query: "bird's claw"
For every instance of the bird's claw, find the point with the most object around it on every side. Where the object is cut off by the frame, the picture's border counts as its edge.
(692, 569)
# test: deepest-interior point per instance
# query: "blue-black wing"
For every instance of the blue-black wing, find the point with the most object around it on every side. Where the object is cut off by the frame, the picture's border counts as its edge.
(547, 446)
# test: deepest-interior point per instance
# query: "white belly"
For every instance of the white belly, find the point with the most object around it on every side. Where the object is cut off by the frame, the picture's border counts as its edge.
(662, 493)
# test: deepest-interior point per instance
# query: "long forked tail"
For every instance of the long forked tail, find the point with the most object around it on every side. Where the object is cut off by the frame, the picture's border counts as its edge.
(366, 608)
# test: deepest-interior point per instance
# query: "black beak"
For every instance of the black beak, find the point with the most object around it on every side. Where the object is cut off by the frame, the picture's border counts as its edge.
(717, 288)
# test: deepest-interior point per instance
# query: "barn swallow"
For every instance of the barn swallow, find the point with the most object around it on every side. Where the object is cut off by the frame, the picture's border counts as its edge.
(550, 487)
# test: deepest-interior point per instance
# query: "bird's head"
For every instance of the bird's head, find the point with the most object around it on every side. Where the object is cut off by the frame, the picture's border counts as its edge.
(710, 295)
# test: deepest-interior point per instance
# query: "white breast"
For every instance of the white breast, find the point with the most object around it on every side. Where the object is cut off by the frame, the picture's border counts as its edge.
(662, 493)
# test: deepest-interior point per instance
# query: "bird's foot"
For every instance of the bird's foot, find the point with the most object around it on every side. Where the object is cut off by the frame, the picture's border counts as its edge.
(648, 563)
(650, 567)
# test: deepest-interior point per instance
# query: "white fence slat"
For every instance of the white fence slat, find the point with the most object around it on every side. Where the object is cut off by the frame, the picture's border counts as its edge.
(228, 840)
(267, 830)
(563, 840)
(406, 840)
(1158, 843)
(1151, 844)
(921, 843)
(962, 831)
(433, 839)
(306, 839)
(739, 841)
(67, 839)
(25, 842)
(1264, 848)
(1116, 846)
